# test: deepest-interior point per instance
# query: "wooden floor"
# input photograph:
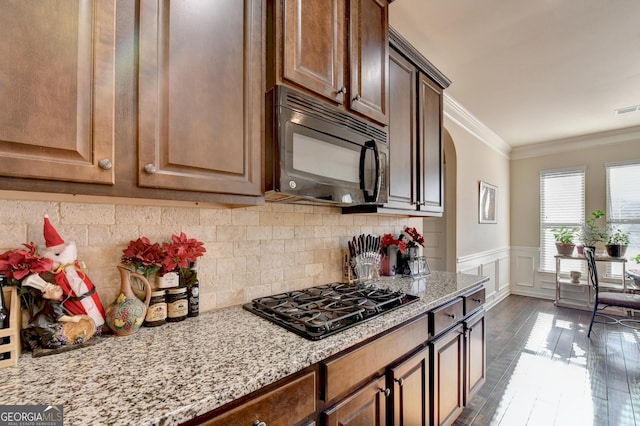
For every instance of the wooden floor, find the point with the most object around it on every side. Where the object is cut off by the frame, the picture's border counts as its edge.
(542, 369)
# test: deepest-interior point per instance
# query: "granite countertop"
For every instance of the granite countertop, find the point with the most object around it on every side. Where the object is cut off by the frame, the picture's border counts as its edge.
(172, 373)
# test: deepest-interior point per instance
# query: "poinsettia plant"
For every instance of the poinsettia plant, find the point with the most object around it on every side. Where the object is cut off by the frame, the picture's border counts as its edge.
(412, 237)
(20, 263)
(390, 240)
(177, 255)
(146, 257)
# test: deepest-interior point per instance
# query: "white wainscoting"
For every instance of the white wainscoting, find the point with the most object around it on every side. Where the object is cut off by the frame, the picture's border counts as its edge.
(494, 264)
(527, 278)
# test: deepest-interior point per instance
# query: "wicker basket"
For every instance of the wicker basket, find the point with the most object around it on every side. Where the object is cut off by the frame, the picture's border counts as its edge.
(13, 346)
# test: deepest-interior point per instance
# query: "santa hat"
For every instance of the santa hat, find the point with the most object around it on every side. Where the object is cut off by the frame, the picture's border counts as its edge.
(51, 236)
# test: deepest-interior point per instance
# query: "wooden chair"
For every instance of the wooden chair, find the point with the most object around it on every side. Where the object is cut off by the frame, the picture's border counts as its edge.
(606, 299)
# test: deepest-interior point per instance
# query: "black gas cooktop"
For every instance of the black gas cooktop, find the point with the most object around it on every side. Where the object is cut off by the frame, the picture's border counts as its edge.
(321, 311)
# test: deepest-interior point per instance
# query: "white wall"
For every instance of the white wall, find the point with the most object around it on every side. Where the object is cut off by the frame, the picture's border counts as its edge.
(482, 249)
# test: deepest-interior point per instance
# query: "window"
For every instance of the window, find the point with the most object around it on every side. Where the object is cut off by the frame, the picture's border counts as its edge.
(561, 204)
(623, 208)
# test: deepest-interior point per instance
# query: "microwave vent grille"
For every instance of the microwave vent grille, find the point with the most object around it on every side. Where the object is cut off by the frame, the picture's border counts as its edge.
(319, 109)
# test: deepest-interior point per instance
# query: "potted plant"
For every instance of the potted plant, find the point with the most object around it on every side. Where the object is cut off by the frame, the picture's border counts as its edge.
(617, 243)
(564, 240)
(594, 230)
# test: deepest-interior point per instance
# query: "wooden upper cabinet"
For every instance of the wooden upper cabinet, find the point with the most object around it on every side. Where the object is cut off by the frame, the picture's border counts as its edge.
(57, 89)
(403, 176)
(313, 33)
(201, 95)
(333, 48)
(430, 142)
(368, 55)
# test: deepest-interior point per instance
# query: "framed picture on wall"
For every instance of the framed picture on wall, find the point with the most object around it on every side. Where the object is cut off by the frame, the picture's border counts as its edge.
(487, 205)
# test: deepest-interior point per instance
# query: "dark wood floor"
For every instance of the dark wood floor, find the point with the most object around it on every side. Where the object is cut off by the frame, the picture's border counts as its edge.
(542, 369)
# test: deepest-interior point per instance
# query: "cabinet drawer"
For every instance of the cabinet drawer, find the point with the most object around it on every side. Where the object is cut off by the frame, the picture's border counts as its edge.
(344, 371)
(285, 405)
(473, 300)
(445, 316)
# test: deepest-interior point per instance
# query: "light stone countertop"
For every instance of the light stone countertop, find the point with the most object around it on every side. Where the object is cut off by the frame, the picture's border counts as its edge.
(169, 374)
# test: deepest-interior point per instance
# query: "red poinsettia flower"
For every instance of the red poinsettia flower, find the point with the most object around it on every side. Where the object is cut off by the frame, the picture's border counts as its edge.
(413, 236)
(19, 263)
(390, 240)
(182, 252)
(144, 255)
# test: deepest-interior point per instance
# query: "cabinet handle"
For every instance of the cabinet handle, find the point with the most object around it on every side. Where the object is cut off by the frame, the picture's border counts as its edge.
(150, 168)
(400, 381)
(259, 423)
(386, 391)
(452, 316)
(343, 90)
(356, 98)
(105, 164)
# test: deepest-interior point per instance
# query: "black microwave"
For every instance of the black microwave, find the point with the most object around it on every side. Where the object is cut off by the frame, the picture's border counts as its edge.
(317, 153)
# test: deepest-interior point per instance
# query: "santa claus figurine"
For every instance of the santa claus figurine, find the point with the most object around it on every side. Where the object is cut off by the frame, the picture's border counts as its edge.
(80, 297)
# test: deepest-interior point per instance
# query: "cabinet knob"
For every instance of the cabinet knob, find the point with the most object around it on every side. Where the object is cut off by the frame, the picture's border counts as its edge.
(452, 316)
(150, 168)
(105, 164)
(477, 300)
(259, 423)
(400, 381)
(343, 90)
(356, 98)
(386, 391)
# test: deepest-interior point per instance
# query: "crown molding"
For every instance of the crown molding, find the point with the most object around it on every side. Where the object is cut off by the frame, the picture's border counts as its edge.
(455, 112)
(406, 49)
(593, 140)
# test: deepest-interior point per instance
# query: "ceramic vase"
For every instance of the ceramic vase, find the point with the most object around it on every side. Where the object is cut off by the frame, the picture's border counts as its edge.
(126, 314)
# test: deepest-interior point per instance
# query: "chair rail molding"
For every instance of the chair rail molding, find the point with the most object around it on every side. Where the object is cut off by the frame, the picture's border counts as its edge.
(495, 264)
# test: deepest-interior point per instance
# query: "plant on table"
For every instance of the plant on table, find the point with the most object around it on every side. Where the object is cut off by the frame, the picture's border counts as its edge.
(564, 239)
(617, 242)
(594, 230)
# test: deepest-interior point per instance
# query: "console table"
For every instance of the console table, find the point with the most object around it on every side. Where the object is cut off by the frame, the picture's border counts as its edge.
(584, 281)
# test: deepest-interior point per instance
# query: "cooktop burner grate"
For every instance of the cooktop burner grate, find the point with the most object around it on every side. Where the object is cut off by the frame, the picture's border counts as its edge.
(321, 311)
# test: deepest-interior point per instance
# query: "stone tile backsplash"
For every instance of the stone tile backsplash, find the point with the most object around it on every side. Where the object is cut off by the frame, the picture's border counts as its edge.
(251, 251)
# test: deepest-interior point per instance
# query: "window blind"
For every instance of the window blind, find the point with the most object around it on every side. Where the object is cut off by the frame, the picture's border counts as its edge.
(623, 208)
(561, 204)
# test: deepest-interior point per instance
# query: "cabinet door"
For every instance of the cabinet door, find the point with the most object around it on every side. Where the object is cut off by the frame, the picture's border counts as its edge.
(430, 143)
(313, 45)
(402, 133)
(411, 390)
(367, 406)
(475, 355)
(368, 57)
(57, 89)
(201, 99)
(288, 404)
(447, 371)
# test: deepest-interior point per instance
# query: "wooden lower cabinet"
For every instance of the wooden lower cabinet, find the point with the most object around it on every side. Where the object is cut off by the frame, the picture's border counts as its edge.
(293, 402)
(475, 355)
(447, 371)
(366, 406)
(410, 390)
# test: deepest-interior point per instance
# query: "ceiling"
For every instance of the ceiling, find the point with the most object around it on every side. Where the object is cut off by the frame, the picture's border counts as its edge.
(532, 71)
